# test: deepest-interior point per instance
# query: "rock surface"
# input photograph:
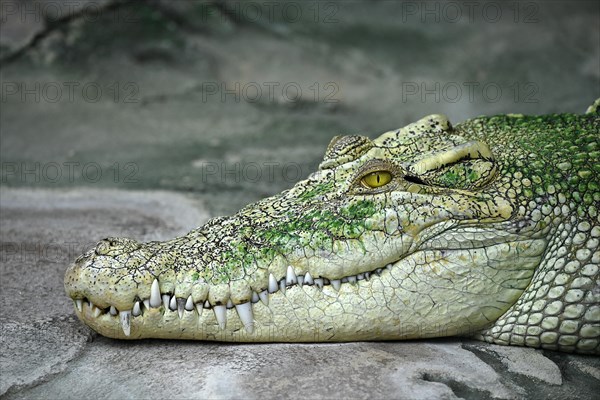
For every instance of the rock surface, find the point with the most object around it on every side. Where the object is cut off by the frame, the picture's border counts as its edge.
(47, 353)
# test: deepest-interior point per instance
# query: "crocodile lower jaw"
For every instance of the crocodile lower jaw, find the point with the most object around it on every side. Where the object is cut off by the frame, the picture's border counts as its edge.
(165, 310)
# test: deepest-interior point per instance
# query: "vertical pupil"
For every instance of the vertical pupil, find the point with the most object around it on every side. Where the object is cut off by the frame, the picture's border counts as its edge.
(378, 178)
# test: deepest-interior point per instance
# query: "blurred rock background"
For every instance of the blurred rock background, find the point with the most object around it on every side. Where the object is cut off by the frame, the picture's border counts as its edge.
(236, 100)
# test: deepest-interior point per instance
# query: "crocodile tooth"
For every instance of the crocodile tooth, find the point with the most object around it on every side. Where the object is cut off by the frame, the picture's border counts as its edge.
(155, 294)
(326, 281)
(173, 303)
(378, 271)
(389, 266)
(300, 280)
(79, 304)
(367, 275)
(180, 306)
(199, 308)
(282, 286)
(136, 309)
(255, 297)
(344, 279)
(336, 283)
(221, 315)
(189, 304)
(273, 286)
(206, 304)
(96, 311)
(113, 311)
(166, 300)
(290, 278)
(126, 321)
(229, 304)
(245, 313)
(352, 279)
(308, 280)
(147, 303)
(360, 277)
(319, 282)
(264, 297)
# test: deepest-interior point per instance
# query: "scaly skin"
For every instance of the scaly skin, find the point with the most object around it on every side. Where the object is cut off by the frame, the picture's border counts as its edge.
(488, 229)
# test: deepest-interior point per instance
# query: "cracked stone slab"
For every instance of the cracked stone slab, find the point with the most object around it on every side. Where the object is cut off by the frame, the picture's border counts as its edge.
(529, 362)
(41, 232)
(33, 352)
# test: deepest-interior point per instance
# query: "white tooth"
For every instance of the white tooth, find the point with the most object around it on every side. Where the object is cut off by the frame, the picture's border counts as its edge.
(79, 304)
(282, 286)
(319, 282)
(308, 280)
(300, 280)
(344, 279)
(113, 310)
(336, 283)
(229, 304)
(180, 307)
(166, 300)
(155, 294)
(147, 303)
(136, 309)
(199, 308)
(389, 266)
(206, 304)
(126, 321)
(352, 279)
(273, 285)
(255, 297)
(290, 278)
(378, 271)
(360, 277)
(189, 304)
(245, 313)
(367, 275)
(221, 315)
(264, 297)
(173, 303)
(96, 311)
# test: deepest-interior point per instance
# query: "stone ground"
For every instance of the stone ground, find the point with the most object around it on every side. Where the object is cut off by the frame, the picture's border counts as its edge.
(122, 119)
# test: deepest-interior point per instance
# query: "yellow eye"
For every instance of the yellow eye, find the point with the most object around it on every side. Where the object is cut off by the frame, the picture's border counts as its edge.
(376, 179)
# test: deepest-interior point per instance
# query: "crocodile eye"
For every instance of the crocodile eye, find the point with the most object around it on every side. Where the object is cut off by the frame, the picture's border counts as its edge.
(376, 179)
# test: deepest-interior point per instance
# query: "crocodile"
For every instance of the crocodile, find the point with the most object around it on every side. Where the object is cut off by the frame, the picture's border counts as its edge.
(487, 229)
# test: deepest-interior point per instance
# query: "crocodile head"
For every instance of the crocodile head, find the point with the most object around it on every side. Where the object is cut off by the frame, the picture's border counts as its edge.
(417, 233)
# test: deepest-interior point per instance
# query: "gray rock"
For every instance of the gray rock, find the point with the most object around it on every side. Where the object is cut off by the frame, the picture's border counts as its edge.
(43, 231)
